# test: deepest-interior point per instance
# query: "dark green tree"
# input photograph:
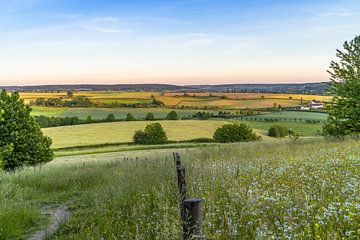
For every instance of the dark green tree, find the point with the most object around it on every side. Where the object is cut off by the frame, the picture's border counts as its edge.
(344, 109)
(172, 116)
(235, 132)
(20, 133)
(110, 117)
(150, 117)
(153, 134)
(130, 117)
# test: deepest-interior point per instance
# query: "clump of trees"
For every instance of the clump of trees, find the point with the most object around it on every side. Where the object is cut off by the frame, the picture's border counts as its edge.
(235, 132)
(152, 135)
(172, 116)
(21, 139)
(344, 109)
(278, 131)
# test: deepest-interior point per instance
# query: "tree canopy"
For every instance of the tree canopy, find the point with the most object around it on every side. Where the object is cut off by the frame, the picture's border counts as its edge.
(153, 134)
(344, 109)
(235, 132)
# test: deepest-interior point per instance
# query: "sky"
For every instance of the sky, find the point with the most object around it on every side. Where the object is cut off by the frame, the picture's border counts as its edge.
(172, 41)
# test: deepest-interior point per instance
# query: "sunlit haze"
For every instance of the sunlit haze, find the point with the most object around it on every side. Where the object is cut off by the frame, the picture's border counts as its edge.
(172, 41)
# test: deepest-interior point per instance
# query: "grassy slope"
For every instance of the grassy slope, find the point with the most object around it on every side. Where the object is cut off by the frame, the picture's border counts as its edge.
(303, 190)
(122, 132)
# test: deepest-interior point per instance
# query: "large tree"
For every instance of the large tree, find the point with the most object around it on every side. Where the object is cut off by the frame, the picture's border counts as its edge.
(20, 133)
(344, 109)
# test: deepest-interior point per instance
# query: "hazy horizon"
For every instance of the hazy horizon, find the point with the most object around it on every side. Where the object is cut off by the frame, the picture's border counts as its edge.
(182, 42)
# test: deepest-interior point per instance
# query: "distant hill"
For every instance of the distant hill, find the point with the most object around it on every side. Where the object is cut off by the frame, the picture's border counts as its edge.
(304, 88)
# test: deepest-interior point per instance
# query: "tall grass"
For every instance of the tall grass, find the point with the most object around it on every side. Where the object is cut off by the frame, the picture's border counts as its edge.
(295, 190)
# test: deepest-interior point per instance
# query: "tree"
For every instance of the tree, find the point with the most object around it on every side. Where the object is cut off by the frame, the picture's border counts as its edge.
(69, 94)
(235, 132)
(172, 116)
(153, 134)
(130, 117)
(110, 117)
(344, 109)
(150, 117)
(20, 135)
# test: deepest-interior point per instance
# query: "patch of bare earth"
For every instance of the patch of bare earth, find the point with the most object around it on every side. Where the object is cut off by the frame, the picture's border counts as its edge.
(58, 216)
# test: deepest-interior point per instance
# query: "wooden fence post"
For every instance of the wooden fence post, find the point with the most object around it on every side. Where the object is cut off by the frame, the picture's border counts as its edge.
(190, 207)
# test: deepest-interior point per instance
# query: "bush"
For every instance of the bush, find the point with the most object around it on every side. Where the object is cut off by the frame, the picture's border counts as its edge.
(130, 117)
(20, 132)
(172, 116)
(236, 132)
(278, 131)
(152, 135)
(150, 117)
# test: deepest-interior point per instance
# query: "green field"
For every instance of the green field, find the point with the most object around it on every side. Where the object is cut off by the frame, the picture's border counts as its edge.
(122, 132)
(294, 115)
(180, 130)
(289, 190)
(101, 113)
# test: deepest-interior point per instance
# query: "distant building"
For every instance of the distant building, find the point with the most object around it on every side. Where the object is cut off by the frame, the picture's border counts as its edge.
(314, 104)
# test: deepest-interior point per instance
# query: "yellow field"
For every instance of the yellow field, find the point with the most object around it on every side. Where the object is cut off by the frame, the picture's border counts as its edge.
(252, 96)
(191, 100)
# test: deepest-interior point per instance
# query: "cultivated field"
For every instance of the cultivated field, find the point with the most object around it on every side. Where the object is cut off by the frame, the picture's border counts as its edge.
(293, 116)
(295, 190)
(189, 100)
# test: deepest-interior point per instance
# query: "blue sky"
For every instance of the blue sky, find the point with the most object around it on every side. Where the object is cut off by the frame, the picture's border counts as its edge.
(179, 42)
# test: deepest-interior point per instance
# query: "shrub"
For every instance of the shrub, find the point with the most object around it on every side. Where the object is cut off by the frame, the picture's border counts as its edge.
(20, 132)
(150, 117)
(153, 134)
(278, 131)
(235, 132)
(172, 116)
(130, 117)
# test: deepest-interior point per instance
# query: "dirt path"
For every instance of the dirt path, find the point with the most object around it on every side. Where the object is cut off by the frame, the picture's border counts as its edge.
(58, 216)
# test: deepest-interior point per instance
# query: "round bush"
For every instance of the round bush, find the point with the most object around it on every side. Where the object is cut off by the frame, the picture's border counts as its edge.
(153, 134)
(278, 131)
(236, 132)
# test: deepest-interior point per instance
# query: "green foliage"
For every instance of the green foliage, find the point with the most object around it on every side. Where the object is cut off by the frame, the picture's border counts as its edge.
(344, 109)
(153, 134)
(130, 117)
(150, 117)
(20, 133)
(278, 131)
(172, 116)
(235, 132)
(110, 117)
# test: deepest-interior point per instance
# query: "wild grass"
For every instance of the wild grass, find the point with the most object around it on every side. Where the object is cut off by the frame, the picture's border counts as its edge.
(293, 190)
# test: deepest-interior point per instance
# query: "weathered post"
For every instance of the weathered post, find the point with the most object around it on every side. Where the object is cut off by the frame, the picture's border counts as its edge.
(190, 207)
(193, 218)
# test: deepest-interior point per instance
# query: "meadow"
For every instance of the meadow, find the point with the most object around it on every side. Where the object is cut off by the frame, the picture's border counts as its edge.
(180, 130)
(122, 132)
(306, 189)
